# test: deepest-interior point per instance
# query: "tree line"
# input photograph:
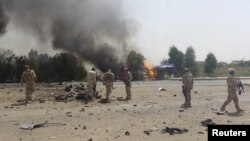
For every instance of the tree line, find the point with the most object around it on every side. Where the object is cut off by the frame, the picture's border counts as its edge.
(188, 60)
(66, 67)
(59, 68)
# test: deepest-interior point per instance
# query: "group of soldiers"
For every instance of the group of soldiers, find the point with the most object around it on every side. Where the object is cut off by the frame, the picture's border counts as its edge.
(232, 85)
(108, 79)
(29, 78)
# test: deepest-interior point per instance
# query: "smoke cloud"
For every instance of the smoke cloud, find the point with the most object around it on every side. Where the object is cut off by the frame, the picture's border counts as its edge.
(95, 30)
(3, 19)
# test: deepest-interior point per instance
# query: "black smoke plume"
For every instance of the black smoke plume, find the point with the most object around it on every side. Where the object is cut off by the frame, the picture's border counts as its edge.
(3, 19)
(95, 30)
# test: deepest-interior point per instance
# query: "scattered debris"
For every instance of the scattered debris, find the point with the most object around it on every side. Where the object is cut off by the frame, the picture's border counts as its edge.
(173, 130)
(127, 133)
(61, 97)
(68, 114)
(84, 127)
(181, 110)
(162, 89)
(104, 101)
(68, 88)
(207, 122)
(119, 98)
(117, 136)
(134, 105)
(174, 95)
(82, 110)
(30, 126)
(148, 131)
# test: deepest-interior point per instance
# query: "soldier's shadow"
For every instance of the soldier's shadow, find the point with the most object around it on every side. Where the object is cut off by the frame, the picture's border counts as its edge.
(235, 114)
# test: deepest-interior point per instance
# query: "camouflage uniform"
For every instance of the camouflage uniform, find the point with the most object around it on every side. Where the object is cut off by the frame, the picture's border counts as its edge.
(187, 87)
(91, 83)
(108, 79)
(127, 78)
(232, 84)
(29, 78)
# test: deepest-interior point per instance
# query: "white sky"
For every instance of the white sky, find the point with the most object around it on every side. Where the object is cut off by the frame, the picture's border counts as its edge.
(218, 26)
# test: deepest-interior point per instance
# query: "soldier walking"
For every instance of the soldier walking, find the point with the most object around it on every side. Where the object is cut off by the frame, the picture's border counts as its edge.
(187, 87)
(108, 79)
(29, 78)
(232, 84)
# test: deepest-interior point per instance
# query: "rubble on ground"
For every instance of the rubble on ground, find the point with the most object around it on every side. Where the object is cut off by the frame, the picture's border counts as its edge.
(70, 92)
(207, 122)
(174, 130)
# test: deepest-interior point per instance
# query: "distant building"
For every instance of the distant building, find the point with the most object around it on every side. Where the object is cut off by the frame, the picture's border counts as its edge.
(164, 71)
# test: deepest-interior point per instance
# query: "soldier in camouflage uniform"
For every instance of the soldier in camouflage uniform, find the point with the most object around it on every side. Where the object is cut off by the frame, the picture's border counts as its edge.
(127, 78)
(91, 83)
(232, 84)
(187, 87)
(29, 78)
(108, 79)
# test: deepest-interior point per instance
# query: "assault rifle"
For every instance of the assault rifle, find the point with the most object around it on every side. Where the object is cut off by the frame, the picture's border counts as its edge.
(183, 91)
(240, 87)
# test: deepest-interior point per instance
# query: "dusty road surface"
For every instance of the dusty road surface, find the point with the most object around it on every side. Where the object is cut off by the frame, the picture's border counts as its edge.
(150, 109)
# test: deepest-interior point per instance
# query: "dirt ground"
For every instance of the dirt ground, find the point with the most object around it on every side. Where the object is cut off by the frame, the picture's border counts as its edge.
(149, 109)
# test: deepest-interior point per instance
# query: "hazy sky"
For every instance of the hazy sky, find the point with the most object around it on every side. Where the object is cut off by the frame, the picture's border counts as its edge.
(218, 26)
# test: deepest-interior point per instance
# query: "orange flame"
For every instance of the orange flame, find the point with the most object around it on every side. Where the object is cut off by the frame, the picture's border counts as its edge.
(150, 72)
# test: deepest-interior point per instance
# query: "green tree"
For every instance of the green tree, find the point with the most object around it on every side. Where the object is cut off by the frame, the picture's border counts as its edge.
(210, 64)
(135, 62)
(189, 60)
(176, 57)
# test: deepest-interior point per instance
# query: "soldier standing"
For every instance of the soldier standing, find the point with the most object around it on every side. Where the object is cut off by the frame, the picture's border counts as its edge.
(127, 78)
(91, 82)
(29, 78)
(232, 84)
(187, 87)
(108, 79)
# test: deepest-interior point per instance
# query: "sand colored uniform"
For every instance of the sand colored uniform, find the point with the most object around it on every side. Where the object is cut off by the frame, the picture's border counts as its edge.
(91, 83)
(127, 78)
(187, 87)
(232, 84)
(108, 79)
(29, 78)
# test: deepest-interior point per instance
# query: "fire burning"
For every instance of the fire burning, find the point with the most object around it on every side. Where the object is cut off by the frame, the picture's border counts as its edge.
(150, 72)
